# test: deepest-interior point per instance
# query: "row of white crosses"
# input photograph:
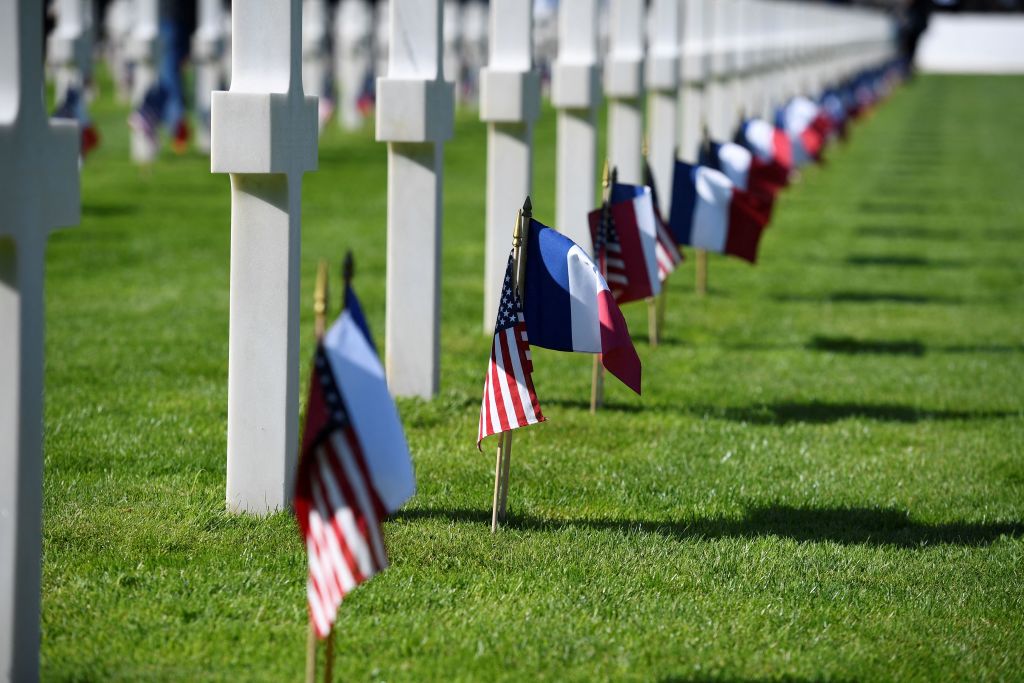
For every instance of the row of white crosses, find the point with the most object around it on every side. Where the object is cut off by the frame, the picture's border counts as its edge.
(264, 135)
(143, 48)
(39, 191)
(69, 46)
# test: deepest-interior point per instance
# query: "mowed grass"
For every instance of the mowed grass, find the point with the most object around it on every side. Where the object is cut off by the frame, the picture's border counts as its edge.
(824, 478)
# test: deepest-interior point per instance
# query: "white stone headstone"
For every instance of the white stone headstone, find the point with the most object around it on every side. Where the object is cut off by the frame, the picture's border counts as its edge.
(207, 56)
(665, 21)
(453, 44)
(69, 48)
(722, 109)
(143, 51)
(39, 191)
(545, 40)
(316, 55)
(415, 110)
(474, 48)
(575, 92)
(694, 72)
(624, 88)
(509, 103)
(265, 136)
(353, 32)
(117, 26)
(381, 37)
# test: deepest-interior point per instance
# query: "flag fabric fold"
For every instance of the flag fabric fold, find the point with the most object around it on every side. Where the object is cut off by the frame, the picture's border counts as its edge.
(569, 307)
(510, 400)
(802, 120)
(771, 149)
(739, 165)
(709, 212)
(354, 470)
(625, 237)
(667, 252)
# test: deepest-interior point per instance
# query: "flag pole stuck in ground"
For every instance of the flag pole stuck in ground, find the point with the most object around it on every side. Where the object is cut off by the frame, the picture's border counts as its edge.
(652, 306)
(701, 283)
(320, 303)
(608, 177)
(354, 468)
(499, 506)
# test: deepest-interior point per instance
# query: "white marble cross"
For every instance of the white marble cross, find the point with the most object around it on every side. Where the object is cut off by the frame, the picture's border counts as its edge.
(264, 133)
(39, 191)
(453, 61)
(381, 36)
(415, 110)
(207, 51)
(624, 87)
(353, 40)
(316, 57)
(722, 108)
(474, 49)
(575, 91)
(509, 103)
(694, 72)
(143, 45)
(665, 21)
(68, 47)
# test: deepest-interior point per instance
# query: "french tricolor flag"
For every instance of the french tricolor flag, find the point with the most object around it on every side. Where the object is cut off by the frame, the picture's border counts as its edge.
(770, 147)
(630, 243)
(802, 120)
(569, 307)
(741, 167)
(709, 212)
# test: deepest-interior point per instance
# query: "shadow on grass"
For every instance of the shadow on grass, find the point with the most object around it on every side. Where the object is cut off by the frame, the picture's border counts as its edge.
(900, 261)
(736, 679)
(896, 347)
(908, 347)
(814, 412)
(901, 208)
(908, 232)
(107, 209)
(610, 406)
(843, 525)
(855, 297)
(849, 345)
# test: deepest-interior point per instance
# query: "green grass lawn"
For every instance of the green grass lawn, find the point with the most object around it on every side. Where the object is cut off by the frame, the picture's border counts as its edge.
(824, 478)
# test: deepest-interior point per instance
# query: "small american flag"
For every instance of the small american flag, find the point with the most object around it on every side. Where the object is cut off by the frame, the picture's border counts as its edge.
(608, 250)
(509, 398)
(337, 505)
(667, 251)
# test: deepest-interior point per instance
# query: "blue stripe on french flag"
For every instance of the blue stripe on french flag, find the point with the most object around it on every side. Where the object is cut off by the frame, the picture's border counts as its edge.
(568, 306)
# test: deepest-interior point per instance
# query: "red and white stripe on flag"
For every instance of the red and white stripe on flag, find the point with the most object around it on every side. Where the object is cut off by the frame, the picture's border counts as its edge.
(509, 398)
(667, 251)
(336, 503)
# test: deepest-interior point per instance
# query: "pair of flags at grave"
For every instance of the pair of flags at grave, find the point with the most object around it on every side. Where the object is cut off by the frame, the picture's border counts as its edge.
(568, 307)
(355, 467)
(632, 242)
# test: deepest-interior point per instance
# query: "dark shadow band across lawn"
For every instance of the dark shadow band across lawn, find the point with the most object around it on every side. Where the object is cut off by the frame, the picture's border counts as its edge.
(843, 525)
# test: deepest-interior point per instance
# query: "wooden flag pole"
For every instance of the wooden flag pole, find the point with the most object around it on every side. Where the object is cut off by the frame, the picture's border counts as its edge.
(662, 303)
(311, 654)
(329, 657)
(702, 272)
(701, 285)
(504, 458)
(348, 271)
(653, 323)
(597, 376)
(320, 300)
(498, 467)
